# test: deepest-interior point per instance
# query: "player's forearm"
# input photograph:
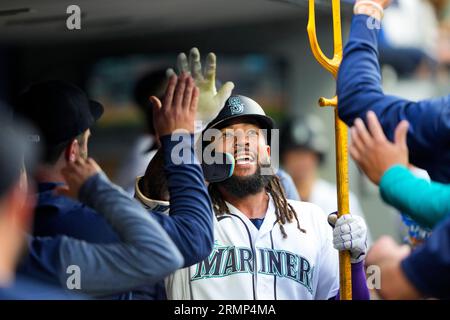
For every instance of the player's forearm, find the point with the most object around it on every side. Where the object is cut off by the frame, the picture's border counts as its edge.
(359, 90)
(359, 78)
(426, 202)
(126, 216)
(190, 221)
(145, 254)
(359, 283)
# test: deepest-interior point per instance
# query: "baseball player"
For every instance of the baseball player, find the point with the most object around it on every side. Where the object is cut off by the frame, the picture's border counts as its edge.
(74, 219)
(266, 247)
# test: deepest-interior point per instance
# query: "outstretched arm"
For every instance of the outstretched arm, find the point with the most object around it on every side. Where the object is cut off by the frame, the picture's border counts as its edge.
(190, 220)
(359, 90)
(145, 253)
(426, 202)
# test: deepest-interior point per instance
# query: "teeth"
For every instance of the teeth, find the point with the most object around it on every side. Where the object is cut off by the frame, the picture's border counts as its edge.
(244, 157)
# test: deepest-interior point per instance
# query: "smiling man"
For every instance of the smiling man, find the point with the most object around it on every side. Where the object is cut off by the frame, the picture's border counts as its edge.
(266, 247)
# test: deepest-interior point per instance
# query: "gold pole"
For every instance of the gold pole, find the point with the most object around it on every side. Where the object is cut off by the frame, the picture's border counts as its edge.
(341, 132)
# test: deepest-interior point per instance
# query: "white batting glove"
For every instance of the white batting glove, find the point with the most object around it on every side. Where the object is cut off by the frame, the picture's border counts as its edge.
(210, 100)
(350, 234)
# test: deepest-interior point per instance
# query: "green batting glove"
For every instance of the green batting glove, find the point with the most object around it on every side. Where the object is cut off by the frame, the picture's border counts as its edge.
(210, 100)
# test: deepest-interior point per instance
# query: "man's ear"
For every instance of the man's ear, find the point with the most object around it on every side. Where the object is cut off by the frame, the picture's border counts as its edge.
(72, 150)
(265, 160)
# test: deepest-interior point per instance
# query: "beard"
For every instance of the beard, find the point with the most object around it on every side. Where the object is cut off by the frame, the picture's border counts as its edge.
(241, 187)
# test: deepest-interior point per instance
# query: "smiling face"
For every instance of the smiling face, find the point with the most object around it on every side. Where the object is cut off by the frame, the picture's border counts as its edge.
(246, 142)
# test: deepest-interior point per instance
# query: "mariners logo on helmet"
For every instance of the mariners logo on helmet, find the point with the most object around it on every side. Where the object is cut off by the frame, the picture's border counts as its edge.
(236, 105)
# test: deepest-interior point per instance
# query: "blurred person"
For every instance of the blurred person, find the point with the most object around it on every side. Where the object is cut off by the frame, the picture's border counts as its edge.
(402, 29)
(266, 246)
(303, 149)
(62, 115)
(410, 47)
(16, 215)
(422, 273)
(425, 272)
(359, 90)
(62, 111)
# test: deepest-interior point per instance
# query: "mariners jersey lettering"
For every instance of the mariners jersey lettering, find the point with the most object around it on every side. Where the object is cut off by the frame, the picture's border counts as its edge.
(247, 263)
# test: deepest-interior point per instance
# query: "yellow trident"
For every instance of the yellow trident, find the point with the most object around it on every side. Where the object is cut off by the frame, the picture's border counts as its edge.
(332, 65)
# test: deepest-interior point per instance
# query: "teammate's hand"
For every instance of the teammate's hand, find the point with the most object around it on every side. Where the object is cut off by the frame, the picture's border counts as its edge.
(386, 249)
(373, 152)
(76, 174)
(179, 107)
(349, 234)
(210, 100)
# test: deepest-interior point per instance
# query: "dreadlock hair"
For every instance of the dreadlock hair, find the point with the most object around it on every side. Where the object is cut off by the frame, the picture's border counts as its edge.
(284, 212)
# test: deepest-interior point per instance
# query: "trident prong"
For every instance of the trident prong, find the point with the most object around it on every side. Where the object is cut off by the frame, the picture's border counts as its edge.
(332, 65)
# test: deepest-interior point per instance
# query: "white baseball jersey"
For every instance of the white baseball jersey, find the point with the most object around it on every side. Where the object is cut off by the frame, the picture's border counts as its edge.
(247, 263)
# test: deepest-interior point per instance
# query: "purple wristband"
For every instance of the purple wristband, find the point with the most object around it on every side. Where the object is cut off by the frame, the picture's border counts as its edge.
(359, 283)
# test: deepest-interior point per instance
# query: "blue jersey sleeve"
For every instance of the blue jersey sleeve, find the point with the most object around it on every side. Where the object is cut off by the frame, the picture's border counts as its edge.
(190, 220)
(428, 267)
(359, 90)
(144, 254)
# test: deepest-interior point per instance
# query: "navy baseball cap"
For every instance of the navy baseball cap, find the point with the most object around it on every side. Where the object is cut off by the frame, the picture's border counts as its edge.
(59, 110)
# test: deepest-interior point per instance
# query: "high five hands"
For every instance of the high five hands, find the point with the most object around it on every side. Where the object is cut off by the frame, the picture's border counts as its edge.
(210, 100)
(178, 109)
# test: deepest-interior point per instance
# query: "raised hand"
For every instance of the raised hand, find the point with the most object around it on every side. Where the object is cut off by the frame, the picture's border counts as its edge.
(178, 109)
(373, 152)
(210, 100)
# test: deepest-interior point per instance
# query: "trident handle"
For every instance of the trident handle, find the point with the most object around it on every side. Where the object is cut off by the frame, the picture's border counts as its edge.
(341, 131)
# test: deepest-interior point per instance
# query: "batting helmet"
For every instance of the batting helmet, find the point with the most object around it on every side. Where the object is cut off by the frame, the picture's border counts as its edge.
(241, 109)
